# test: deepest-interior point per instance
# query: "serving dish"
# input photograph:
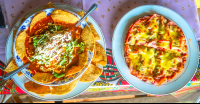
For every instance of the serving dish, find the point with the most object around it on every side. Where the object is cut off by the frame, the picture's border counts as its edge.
(80, 87)
(24, 26)
(118, 50)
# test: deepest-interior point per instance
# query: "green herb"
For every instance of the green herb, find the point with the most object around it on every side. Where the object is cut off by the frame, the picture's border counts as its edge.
(32, 59)
(82, 45)
(162, 29)
(52, 30)
(58, 75)
(58, 27)
(42, 39)
(75, 43)
(52, 27)
(69, 55)
(69, 48)
(70, 59)
(71, 45)
(63, 61)
(39, 40)
(50, 24)
(35, 41)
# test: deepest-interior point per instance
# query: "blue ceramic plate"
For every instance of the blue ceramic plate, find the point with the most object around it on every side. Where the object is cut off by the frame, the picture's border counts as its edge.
(24, 26)
(118, 50)
(20, 80)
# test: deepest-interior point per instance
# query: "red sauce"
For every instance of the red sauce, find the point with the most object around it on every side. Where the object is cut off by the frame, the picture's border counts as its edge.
(72, 28)
(40, 27)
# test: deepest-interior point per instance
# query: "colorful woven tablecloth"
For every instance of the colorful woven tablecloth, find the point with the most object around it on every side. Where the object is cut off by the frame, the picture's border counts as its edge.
(109, 80)
(107, 15)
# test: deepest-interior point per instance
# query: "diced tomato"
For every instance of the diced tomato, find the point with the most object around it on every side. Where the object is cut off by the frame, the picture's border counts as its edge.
(33, 71)
(171, 44)
(141, 48)
(181, 41)
(160, 80)
(160, 41)
(137, 22)
(139, 30)
(151, 17)
(172, 76)
(128, 37)
(131, 28)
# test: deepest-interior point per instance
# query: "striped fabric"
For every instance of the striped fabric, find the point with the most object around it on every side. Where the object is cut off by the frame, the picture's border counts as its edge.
(109, 74)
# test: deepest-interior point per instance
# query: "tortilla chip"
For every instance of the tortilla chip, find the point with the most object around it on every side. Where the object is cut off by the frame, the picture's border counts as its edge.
(20, 44)
(23, 19)
(88, 38)
(82, 63)
(37, 18)
(36, 88)
(64, 89)
(19, 74)
(91, 74)
(63, 16)
(73, 70)
(14, 33)
(49, 5)
(54, 90)
(83, 57)
(11, 66)
(81, 13)
(99, 55)
(44, 77)
(94, 32)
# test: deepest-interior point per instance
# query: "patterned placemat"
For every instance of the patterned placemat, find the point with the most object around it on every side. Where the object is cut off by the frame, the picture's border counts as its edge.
(109, 80)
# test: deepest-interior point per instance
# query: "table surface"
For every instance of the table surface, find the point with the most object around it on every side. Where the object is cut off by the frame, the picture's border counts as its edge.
(109, 11)
(107, 15)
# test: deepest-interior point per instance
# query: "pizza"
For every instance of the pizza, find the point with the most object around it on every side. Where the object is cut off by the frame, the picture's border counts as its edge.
(155, 49)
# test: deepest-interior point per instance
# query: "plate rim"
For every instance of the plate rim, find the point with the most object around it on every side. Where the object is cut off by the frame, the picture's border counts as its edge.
(41, 8)
(158, 6)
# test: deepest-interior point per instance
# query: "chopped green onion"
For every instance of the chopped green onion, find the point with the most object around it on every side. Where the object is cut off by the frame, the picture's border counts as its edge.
(82, 45)
(50, 24)
(53, 27)
(63, 61)
(32, 59)
(70, 59)
(58, 75)
(35, 41)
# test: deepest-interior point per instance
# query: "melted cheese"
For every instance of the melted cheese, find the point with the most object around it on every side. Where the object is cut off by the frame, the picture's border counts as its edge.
(155, 48)
(148, 61)
(52, 50)
(135, 63)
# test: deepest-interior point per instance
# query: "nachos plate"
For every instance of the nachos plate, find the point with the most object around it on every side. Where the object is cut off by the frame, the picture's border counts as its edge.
(53, 46)
(22, 79)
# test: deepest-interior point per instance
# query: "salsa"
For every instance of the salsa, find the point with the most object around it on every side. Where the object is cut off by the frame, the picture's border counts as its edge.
(53, 47)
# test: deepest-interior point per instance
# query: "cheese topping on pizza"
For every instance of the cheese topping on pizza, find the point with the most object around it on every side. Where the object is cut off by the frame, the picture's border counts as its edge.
(155, 49)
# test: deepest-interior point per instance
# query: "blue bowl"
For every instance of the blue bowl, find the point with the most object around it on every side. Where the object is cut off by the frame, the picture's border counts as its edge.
(24, 26)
